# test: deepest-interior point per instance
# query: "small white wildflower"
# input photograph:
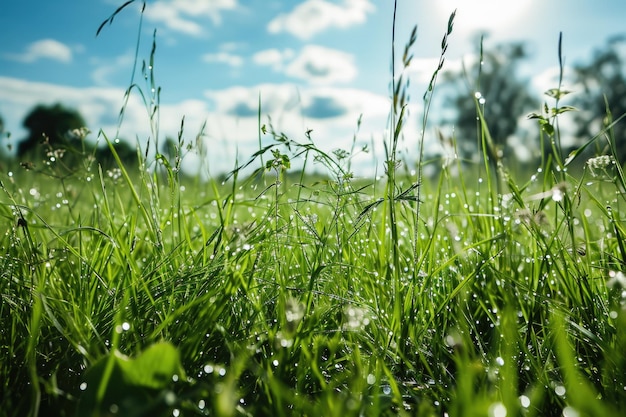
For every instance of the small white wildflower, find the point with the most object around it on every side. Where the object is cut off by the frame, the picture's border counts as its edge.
(79, 134)
(356, 318)
(294, 311)
(115, 174)
(599, 163)
(55, 154)
(558, 191)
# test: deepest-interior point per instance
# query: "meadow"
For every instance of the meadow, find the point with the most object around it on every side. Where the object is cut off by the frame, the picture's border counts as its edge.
(140, 290)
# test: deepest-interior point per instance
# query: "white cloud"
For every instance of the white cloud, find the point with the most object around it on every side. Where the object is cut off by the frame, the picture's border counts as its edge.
(320, 65)
(106, 69)
(347, 103)
(232, 46)
(171, 17)
(479, 15)
(231, 132)
(549, 79)
(314, 16)
(243, 102)
(44, 49)
(185, 16)
(99, 106)
(273, 58)
(316, 64)
(331, 113)
(224, 58)
(421, 69)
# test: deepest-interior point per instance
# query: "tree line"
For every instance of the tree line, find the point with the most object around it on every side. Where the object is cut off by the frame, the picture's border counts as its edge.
(504, 98)
(57, 133)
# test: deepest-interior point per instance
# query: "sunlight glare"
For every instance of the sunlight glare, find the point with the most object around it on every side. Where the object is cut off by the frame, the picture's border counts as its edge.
(478, 15)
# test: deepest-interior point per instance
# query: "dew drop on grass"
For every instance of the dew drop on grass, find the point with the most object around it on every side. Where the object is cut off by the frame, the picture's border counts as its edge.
(559, 390)
(570, 412)
(497, 410)
(524, 401)
(386, 389)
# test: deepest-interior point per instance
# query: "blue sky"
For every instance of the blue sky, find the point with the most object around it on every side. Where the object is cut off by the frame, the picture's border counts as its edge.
(315, 64)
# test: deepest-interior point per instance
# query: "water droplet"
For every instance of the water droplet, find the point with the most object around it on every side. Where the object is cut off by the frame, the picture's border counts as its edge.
(570, 412)
(497, 410)
(170, 398)
(524, 401)
(559, 390)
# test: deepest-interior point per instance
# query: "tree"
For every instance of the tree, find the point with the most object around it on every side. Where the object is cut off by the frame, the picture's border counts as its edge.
(5, 147)
(50, 124)
(604, 86)
(2, 135)
(504, 97)
(126, 152)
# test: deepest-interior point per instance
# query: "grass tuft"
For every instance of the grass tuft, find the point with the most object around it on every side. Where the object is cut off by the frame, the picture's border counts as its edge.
(140, 290)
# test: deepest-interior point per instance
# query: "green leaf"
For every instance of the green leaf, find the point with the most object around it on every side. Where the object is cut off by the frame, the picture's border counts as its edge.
(451, 22)
(132, 384)
(563, 109)
(535, 116)
(557, 93)
(547, 127)
(155, 367)
(585, 399)
(109, 20)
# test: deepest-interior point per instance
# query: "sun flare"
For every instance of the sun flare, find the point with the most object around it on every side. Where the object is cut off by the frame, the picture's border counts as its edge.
(475, 15)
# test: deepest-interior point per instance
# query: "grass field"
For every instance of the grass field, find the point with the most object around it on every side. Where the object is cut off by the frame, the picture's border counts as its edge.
(141, 291)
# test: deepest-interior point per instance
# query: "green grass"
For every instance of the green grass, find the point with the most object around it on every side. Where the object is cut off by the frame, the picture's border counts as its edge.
(140, 291)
